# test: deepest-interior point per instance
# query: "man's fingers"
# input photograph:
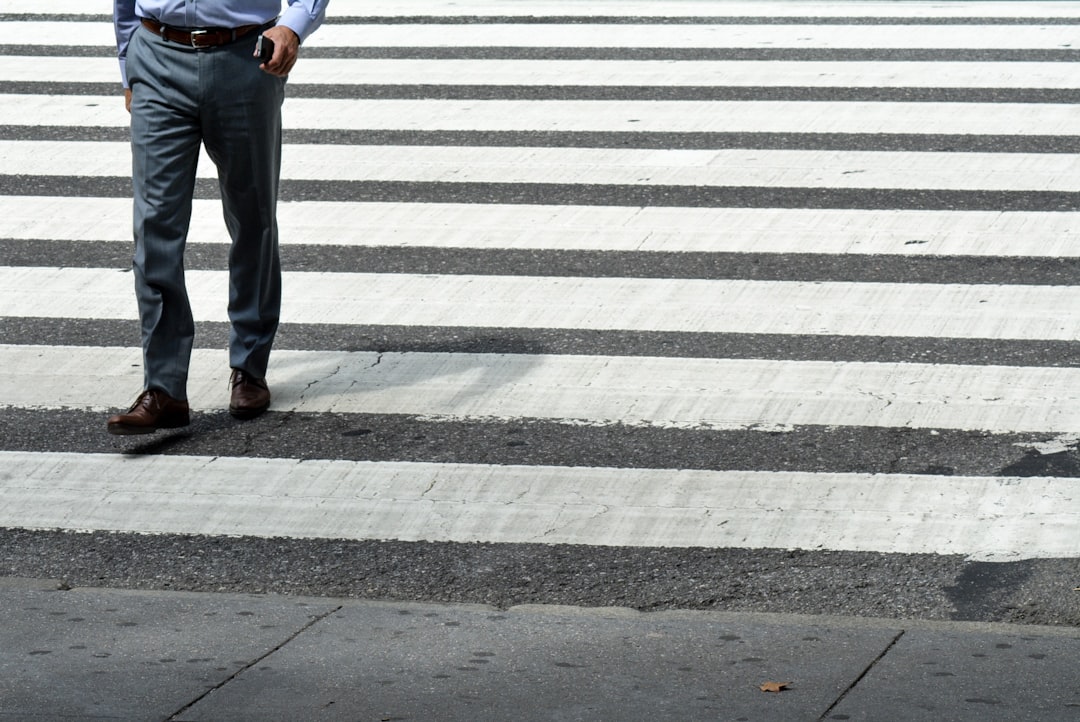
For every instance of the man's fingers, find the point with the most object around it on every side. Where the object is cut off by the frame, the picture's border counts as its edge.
(127, 99)
(286, 50)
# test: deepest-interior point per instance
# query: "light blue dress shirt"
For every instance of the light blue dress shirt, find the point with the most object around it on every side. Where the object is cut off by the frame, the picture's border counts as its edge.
(301, 16)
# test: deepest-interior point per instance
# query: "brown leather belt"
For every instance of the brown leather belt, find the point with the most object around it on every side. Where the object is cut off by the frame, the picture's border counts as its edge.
(201, 38)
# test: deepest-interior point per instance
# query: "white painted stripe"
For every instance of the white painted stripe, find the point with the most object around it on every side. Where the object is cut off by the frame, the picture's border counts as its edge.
(1000, 519)
(38, 69)
(61, 7)
(46, 69)
(640, 391)
(644, 304)
(97, 111)
(687, 116)
(599, 115)
(687, 73)
(716, 168)
(60, 32)
(713, 8)
(667, 8)
(700, 36)
(593, 228)
(607, 36)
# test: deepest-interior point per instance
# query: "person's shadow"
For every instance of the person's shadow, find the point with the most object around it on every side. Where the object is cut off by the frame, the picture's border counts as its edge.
(366, 381)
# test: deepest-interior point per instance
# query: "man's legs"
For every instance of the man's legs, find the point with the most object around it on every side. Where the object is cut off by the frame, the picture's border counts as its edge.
(182, 98)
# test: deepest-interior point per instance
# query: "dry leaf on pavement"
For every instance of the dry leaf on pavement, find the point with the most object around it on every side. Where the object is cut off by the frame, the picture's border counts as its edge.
(774, 686)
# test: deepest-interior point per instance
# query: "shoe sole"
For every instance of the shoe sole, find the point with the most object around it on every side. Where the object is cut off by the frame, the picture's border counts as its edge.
(120, 430)
(126, 430)
(247, 414)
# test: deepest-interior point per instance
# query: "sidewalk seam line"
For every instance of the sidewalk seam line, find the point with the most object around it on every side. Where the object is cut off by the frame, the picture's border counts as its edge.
(311, 623)
(869, 667)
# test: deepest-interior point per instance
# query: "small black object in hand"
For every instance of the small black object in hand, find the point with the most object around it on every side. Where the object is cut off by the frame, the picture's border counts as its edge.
(264, 49)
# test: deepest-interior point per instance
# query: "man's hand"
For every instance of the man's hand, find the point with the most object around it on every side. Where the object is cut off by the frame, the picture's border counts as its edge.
(127, 99)
(286, 50)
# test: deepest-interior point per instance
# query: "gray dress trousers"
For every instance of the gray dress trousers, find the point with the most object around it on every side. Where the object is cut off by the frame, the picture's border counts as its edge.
(182, 98)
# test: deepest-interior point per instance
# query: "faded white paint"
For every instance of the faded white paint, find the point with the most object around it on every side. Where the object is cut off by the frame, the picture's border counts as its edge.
(640, 304)
(583, 166)
(983, 518)
(600, 115)
(898, 36)
(590, 228)
(666, 73)
(595, 390)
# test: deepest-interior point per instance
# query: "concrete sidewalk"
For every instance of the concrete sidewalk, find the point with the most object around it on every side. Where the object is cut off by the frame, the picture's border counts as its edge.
(90, 654)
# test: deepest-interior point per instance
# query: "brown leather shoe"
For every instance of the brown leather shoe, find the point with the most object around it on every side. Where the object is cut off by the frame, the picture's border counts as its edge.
(250, 396)
(153, 410)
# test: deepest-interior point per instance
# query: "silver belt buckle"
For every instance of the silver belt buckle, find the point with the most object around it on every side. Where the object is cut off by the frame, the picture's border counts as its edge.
(196, 34)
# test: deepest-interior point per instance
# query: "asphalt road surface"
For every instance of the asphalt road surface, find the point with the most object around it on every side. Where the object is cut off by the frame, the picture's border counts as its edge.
(682, 305)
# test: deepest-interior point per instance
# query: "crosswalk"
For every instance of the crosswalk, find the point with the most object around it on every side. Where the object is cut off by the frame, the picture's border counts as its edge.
(682, 274)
